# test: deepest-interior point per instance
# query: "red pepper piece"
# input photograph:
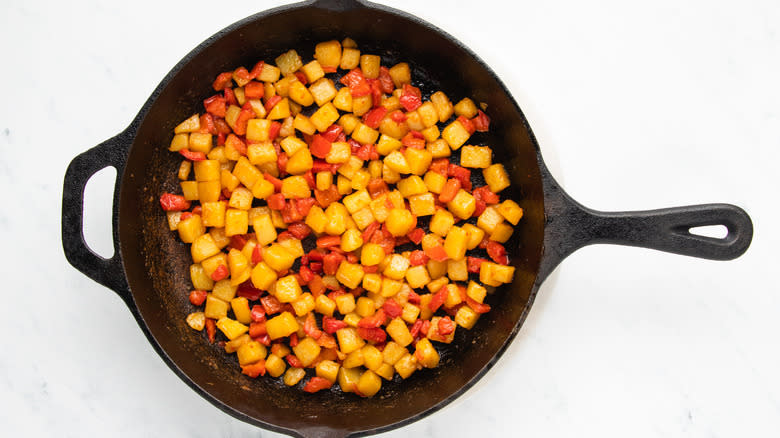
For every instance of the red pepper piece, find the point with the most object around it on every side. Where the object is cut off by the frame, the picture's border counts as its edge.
(257, 255)
(215, 105)
(331, 325)
(477, 306)
(378, 319)
(418, 258)
(255, 369)
(328, 241)
(316, 286)
(333, 132)
(437, 253)
(220, 273)
(299, 230)
(238, 241)
(474, 264)
(327, 341)
(450, 189)
(438, 299)
(385, 80)
(258, 328)
(329, 69)
(271, 304)
(310, 327)
(398, 116)
(479, 207)
(320, 146)
(222, 81)
(317, 384)
(272, 102)
(331, 262)
(249, 291)
(236, 143)
(254, 90)
(497, 252)
(411, 98)
(294, 340)
(257, 69)
(466, 123)
(197, 297)
(376, 187)
(290, 214)
(392, 308)
(410, 140)
(276, 201)
(414, 297)
(416, 235)
(244, 116)
(440, 166)
(293, 361)
(484, 193)
(373, 334)
(481, 121)
(242, 73)
(171, 202)
(211, 329)
(326, 197)
(257, 313)
(446, 326)
(230, 97)
(376, 93)
(274, 131)
(304, 205)
(192, 156)
(207, 124)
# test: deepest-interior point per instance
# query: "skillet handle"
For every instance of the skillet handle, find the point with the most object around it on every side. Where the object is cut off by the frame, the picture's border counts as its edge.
(570, 226)
(108, 272)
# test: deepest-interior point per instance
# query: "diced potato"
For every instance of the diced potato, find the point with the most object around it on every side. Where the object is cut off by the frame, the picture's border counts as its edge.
(292, 376)
(303, 124)
(224, 291)
(350, 58)
(400, 222)
(406, 365)
(431, 134)
(348, 378)
(324, 305)
(278, 258)
(503, 273)
(282, 325)
(296, 186)
(466, 317)
(236, 222)
(299, 94)
(357, 201)
(250, 352)
(323, 91)
(441, 222)
(231, 328)
(396, 267)
(209, 191)
(349, 340)
(180, 141)
(434, 181)
(316, 219)
(214, 213)
(206, 170)
(190, 228)
(463, 205)
(349, 274)
(343, 100)
(392, 353)
(340, 152)
(196, 320)
(496, 177)
(246, 172)
(387, 144)
(434, 335)
(241, 199)
(304, 304)
(418, 159)
(466, 108)
(501, 233)
(325, 116)
(328, 53)
(439, 148)
(455, 135)
(346, 304)
(174, 217)
(390, 287)
(486, 275)
(365, 307)
(287, 289)
(455, 243)
(397, 162)
(351, 168)
(327, 369)
(280, 111)
(417, 276)
(372, 282)
(189, 189)
(476, 156)
(274, 365)
(453, 296)
(401, 74)
(289, 62)
(457, 270)
(370, 65)
(351, 240)
(313, 70)
(203, 247)
(510, 211)
(489, 219)
(476, 292)
(398, 330)
(264, 229)
(307, 351)
(443, 105)
(199, 142)
(336, 219)
(426, 355)
(474, 235)
(422, 205)
(412, 185)
(215, 308)
(364, 134)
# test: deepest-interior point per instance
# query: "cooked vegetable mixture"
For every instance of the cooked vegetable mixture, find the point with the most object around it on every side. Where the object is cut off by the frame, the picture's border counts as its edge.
(302, 219)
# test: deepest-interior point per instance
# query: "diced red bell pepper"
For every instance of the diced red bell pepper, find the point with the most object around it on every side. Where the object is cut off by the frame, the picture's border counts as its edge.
(310, 327)
(484, 193)
(207, 124)
(476, 305)
(272, 101)
(323, 166)
(329, 69)
(255, 369)
(331, 262)
(293, 361)
(254, 90)
(446, 326)
(376, 93)
(273, 180)
(416, 235)
(291, 214)
(276, 201)
(257, 313)
(309, 177)
(474, 264)
(333, 132)
(306, 274)
(320, 146)
(257, 69)
(411, 98)
(304, 205)
(376, 187)
(373, 334)
(440, 166)
(171, 202)
(414, 297)
(242, 73)
(352, 258)
(450, 189)
(316, 286)
(326, 197)
(192, 156)
(376, 320)
(197, 297)
(392, 308)
(461, 173)
(438, 299)
(398, 116)
(215, 105)
(363, 152)
(369, 231)
(249, 291)
(410, 140)
(238, 241)
(274, 131)
(294, 340)
(211, 329)
(271, 304)
(258, 328)
(230, 96)
(418, 258)
(281, 163)
(220, 273)
(356, 81)
(222, 81)
(332, 325)
(244, 116)
(385, 80)
(481, 121)
(236, 143)
(317, 384)
(257, 255)
(186, 215)
(328, 241)
(299, 230)
(223, 128)
(301, 77)
(497, 252)
(479, 207)
(466, 123)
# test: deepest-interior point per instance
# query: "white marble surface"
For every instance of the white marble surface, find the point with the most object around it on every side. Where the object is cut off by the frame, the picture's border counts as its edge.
(646, 104)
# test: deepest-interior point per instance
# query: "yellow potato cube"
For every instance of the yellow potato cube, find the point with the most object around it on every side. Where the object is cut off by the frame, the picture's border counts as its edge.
(323, 180)
(250, 352)
(457, 270)
(340, 152)
(174, 217)
(269, 73)
(257, 106)
(289, 62)
(215, 308)
(345, 303)
(307, 351)
(422, 205)
(369, 384)
(263, 276)
(349, 274)
(313, 70)
(351, 240)
(231, 328)
(389, 175)
(365, 306)
(510, 211)
(372, 254)
(476, 292)
(348, 122)
(463, 205)
(503, 273)
(363, 217)
(209, 191)
(434, 181)
(328, 53)
(219, 153)
(264, 229)
(336, 216)
(190, 228)
(501, 233)
(280, 111)
(291, 145)
(349, 340)
(323, 91)
(316, 219)
(426, 355)
(392, 353)
(300, 162)
(343, 100)
(180, 141)
(203, 247)
(453, 296)
(412, 185)
(350, 58)
(486, 274)
(496, 177)
(282, 325)
(474, 235)
(455, 243)
(434, 335)
(348, 378)
(397, 162)
(224, 291)
(370, 66)
(214, 213)
(489, 219)
(387, 144)
(466, 317)
(190, 190)
(372, 282)
(364, 134)
(410, 313)
(303, 124)
(231, 116)
(261, 153)
(400, 74)
(324, 305)
(241, 199)
(466, 108)
(200, 142)
(357, 201)
(406, 365)
(196, 320)
(443, 105)
(206, 170)
(287, 289)
(299, 94)
(417, 276)
(431, 134)
(351, 167)
(418, 159)
(428, 114)
(398, 330)
(258, 130)
(476, 156)
(325, 116)
(439, 148)
(441, 222)
(438, 283)
(278, 258)
(455, 135)
(390, 287)
(304, 304)
(236, 222)
(400, 222)
(292, 376)
(295, 187)
(327, 369)
(246, 172)
(184, 169)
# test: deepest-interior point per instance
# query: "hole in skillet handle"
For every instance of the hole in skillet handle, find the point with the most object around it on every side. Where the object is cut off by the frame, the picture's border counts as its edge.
(97, 212)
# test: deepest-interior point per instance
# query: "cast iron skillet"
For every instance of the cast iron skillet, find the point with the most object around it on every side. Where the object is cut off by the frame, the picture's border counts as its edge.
(149, 267)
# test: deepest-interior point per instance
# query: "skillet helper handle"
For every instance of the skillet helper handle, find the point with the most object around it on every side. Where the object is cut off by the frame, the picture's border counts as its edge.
(669, 230)
(108, 272)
